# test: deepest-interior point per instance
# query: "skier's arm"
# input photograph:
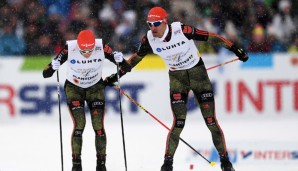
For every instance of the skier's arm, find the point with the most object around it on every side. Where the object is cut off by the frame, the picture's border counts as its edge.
(61, 57)
(213, 38)
(143, 50)
(109, 54)
(202, 35)
(218, 40)
(124, 66)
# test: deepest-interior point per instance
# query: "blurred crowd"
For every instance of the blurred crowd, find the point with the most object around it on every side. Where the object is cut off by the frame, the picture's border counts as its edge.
(41, 27)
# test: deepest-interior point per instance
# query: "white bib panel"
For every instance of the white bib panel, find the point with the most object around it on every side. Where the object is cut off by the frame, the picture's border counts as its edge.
(179, 53)
(81, 71)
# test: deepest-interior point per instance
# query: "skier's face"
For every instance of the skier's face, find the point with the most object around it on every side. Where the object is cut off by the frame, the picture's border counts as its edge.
(86, 52)
(157, 27)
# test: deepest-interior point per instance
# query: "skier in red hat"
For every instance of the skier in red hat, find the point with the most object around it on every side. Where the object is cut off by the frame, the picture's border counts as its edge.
(84, 60)
(174, 43)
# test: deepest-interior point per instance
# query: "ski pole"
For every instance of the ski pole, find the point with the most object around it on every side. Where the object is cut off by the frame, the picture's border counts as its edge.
(60, 123)
(156, 119)
(233, 60)
(121, 116)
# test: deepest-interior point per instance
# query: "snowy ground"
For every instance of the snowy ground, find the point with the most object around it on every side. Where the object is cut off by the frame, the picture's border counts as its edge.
(33, 144)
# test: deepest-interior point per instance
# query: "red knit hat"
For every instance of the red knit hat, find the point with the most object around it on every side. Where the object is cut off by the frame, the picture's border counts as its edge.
(86, 40)
(156, 14)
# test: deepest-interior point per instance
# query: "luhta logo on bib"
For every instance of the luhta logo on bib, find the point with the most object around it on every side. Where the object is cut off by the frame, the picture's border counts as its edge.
(170, 46)
(73, 61)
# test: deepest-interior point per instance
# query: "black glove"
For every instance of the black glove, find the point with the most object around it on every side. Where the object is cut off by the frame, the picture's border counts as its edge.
(240, 53)
(110, 81)
(106, 83)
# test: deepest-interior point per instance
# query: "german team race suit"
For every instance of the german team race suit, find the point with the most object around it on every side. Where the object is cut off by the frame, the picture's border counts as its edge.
(186, 72)
(84, 83)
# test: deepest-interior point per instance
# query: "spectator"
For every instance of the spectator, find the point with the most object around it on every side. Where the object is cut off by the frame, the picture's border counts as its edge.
(50, 34)
(283, 22)
(276, 44)
(263, 15)
(217, 17)
(186, 8)
(259, 42)
(79, 15)
(248, 26)
(62, 5)
(108, 20)
(3, 3)
(34, 18)
(124, 32)
(5, 13)
(38, 17)
(30, 36)
(238, 13)
(44, 46)
(10, 43)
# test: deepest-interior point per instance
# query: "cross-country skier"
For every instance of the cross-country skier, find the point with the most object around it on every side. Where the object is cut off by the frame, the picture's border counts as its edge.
(174, 44)
(84, 59)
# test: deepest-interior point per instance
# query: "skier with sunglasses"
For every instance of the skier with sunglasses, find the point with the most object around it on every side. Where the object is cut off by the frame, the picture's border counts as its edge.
(174, 43)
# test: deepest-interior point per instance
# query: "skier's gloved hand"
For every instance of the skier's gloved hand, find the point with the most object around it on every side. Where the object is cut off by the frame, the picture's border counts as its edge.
(240, 53)
(118, 56)
(110, 84)
(55, 64)
(111, 81)
(107, 83)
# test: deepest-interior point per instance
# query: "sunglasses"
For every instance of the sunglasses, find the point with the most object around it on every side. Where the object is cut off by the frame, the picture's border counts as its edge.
(83, 52)
(155, 23)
